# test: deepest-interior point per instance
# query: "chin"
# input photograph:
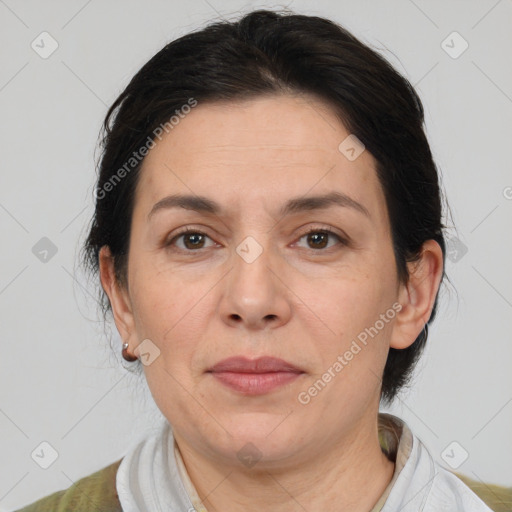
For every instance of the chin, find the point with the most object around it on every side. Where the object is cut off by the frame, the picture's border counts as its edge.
(265, 434)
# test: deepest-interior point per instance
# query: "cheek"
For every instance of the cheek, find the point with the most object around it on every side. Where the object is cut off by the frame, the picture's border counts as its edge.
(175, 315)
(346, 316)
(159, 299)
(345, 302)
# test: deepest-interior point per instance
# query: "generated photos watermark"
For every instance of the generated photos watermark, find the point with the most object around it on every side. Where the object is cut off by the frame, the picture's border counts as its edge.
(304, 397)
(138, 156)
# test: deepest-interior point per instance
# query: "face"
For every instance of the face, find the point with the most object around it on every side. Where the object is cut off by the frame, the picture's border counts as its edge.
(262, 272)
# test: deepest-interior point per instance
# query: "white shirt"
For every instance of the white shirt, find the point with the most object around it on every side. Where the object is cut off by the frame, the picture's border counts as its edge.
(152, 477)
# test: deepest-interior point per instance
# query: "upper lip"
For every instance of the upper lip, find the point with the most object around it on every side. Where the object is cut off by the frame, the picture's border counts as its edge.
(266, 364)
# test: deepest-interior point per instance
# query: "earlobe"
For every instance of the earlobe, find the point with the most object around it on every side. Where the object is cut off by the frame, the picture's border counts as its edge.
(117, 295)
(418, 295)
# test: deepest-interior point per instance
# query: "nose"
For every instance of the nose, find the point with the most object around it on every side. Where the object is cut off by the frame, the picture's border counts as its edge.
(255, 295)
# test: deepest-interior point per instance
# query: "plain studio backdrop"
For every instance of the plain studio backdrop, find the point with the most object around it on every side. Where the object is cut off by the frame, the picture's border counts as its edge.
(65, 393)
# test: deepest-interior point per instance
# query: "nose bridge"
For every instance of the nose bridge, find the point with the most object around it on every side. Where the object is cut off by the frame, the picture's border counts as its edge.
(256, 249)
(252, 263)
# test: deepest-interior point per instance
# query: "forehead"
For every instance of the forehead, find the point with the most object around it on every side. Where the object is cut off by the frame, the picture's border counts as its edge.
(258, 149)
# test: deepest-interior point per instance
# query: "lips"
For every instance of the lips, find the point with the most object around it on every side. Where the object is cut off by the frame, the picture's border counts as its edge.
(254, 376)
(260, 365)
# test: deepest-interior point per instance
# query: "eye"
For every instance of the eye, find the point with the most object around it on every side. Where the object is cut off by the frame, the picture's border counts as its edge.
(319, 237)
(192, 240)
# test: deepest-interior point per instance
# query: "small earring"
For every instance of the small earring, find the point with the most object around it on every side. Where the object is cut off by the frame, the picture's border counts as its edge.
(128, 357)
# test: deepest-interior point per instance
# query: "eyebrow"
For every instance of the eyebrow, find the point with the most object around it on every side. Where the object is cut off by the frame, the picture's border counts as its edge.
(299, 204)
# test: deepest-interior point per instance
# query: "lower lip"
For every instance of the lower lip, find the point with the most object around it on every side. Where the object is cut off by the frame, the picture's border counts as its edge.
(255, 383)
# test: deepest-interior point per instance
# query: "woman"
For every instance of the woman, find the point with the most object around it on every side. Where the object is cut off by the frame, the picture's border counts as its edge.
(269, 240)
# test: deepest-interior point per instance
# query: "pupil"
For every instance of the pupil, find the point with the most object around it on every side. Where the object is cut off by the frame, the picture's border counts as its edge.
(191, 237)
(316, 235)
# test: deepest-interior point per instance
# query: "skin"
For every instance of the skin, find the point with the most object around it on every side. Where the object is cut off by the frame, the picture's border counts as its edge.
(304, 300)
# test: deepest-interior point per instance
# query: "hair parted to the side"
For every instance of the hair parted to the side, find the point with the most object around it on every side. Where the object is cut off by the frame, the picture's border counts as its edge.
(270, 52)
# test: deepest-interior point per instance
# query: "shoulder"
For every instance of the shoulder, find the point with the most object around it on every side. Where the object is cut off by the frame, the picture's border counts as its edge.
(448, 492)
(424, 484)
(93, 492)
(497, 497)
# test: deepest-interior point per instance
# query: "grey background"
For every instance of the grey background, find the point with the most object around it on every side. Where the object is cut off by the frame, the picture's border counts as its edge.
(59, 380)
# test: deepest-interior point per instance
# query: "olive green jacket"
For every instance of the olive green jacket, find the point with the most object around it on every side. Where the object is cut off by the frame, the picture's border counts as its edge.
(97, 493)
(93, 493)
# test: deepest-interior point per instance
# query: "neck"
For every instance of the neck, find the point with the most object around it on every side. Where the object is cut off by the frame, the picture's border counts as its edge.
(353, 473)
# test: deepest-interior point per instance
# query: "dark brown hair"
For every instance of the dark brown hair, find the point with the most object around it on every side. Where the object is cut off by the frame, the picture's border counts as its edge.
(269, 52)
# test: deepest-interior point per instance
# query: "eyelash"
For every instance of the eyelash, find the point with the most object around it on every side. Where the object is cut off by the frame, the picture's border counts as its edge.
(190, 230)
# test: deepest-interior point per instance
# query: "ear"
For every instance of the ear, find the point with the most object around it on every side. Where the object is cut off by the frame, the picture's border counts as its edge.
(118, 296)
(417, 296)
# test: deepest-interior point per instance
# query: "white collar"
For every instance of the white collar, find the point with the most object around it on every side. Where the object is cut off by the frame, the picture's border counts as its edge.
(152, 476)
(148, 478)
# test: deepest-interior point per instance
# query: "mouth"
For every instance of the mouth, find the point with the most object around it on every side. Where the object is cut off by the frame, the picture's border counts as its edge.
(254, 376)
